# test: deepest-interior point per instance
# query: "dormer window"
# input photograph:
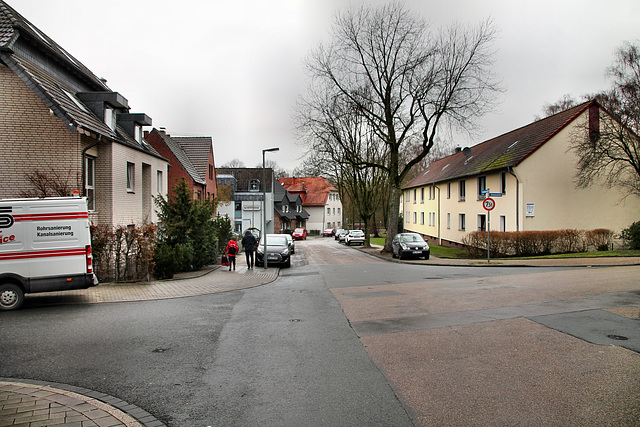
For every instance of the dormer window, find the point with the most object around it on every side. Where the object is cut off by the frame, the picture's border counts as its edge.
(254, 185)
(137, 133)
(285, 208)
(110, 117)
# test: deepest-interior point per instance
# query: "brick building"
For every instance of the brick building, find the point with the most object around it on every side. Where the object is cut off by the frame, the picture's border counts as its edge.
(190, 158)
(58, 120)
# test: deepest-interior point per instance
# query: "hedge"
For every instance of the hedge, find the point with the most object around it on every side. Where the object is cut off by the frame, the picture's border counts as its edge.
(534, 243)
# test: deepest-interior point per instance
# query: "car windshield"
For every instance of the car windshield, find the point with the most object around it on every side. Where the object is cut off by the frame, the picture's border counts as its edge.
(411, 238)
(298, 230)
(357, 232)
(277, 241)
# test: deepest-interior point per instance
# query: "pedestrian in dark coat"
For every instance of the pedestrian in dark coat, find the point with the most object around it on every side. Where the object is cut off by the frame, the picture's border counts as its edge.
(249, 243)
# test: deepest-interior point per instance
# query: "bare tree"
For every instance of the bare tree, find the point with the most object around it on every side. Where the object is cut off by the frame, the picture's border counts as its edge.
(278, 171)
(235, 163)
(609, 149)
(50, 183)
(405, 81)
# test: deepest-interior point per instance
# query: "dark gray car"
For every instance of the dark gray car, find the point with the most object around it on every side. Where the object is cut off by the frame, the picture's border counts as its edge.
(406, 245)
(278, 251)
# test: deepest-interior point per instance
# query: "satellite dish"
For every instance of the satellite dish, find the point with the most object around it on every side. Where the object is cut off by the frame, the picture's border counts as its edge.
(466, 151)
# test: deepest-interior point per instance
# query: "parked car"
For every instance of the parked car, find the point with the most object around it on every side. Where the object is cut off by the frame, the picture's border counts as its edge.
(342, 235)
(299, 234)
(337, 233)
(354, 237)
(406, 245)
(278, 251)
(290, 241)
(329, 232)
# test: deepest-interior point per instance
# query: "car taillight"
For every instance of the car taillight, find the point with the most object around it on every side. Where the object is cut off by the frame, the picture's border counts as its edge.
(89, 259)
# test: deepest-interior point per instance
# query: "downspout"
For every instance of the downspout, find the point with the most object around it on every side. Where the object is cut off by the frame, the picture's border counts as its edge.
(439, 215)
(510, 169)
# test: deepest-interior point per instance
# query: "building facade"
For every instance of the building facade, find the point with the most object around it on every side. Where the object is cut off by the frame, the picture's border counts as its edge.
(64, 129)
(530, 175)
(244, 187)
(320, 199)
(190, 159)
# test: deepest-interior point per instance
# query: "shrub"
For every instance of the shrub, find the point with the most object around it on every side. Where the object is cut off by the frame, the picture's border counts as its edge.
(599, 239)
(631, 235)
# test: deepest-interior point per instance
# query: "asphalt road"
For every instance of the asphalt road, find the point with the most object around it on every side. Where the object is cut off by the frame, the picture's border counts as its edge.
(342, 338)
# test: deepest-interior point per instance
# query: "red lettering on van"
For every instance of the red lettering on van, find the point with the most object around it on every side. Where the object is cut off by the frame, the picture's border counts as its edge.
(7, 239)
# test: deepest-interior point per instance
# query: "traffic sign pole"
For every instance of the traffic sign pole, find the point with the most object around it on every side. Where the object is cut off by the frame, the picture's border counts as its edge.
(488, 204)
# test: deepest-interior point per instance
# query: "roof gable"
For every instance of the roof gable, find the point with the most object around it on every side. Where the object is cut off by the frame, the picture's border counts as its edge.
(197, 149)
(314, 191)
(502, 152)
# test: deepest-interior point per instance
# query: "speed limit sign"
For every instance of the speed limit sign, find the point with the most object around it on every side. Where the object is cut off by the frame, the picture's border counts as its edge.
(488, 204)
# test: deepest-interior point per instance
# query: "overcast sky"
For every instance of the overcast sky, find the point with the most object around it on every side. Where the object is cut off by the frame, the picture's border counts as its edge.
(232, 70)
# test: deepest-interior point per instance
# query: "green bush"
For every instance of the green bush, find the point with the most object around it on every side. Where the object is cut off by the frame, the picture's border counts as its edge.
(171, 259)
(631, 235)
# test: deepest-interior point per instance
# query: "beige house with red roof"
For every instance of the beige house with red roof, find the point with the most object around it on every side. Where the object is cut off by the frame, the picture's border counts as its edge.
(320, 199)
(529, 173)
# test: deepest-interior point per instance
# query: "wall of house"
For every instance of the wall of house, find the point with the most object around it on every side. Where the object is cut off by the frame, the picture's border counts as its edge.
(31, 138)
(333, 212)
(129, 207)
(211, 183)
(316, 221)
(548, 187)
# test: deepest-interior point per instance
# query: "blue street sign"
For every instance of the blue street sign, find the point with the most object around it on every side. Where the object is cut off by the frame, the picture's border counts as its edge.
(495, 194)
(484, 191)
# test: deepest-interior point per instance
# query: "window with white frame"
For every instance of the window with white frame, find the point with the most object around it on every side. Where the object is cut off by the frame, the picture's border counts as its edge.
(449, 220)
(159, 182)
(422, 195)
(89, 182)
(503, 223)
(131, 176)
(482, 185)
(338, 211)
(415, 217)
(448, 190)
(462, 222)
(137, 133)
(407, 196)
(407, 216)
(482, 222)
(110, 117)
(328, 211)
(503, 183)
(415, 196)
(422, 218)
(462, 191)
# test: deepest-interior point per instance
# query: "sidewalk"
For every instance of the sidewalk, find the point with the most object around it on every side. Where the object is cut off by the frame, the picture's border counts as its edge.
(36, 403)
(542, 262)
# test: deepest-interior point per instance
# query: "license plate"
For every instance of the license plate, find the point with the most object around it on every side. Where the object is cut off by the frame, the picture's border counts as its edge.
(417, 252)
(272, 257)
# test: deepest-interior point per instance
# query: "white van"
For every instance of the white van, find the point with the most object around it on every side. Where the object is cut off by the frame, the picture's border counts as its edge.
(45, 245)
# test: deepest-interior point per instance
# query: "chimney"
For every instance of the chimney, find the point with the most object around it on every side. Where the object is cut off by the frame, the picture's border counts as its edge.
(458, 149)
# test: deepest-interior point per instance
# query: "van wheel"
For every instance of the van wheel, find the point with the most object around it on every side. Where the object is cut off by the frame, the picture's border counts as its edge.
(11, 296)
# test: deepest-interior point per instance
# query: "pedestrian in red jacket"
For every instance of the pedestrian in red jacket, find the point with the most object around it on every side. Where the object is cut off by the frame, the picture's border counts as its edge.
(231, 250)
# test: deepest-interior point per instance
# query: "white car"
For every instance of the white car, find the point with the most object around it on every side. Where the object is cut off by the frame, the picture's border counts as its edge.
(354, 237)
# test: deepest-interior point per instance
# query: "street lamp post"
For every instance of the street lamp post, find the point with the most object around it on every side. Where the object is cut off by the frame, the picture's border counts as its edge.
(264, 208)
